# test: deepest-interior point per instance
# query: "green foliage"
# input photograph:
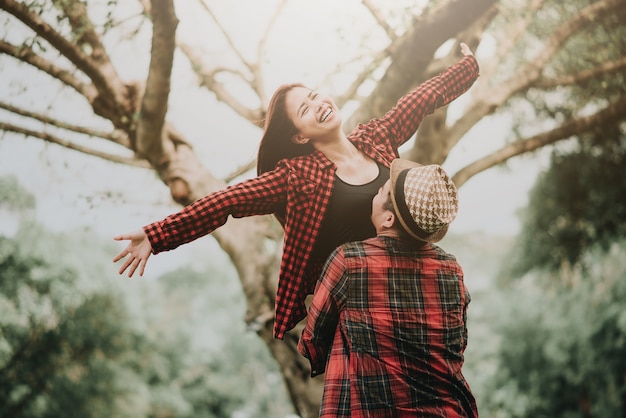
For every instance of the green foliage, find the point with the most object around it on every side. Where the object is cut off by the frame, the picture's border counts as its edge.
(571, 84)
(563, 351)
(76, 341)
(228, 369)
(576, 204)
(13, 196)
(67, 350)
(61, 353)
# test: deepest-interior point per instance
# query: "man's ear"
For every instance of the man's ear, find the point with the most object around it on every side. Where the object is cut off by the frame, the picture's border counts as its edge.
(299, 139)
(390, 219)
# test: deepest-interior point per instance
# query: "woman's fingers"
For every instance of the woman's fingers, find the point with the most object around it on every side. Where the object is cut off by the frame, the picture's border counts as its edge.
(133, 266)
(126, 264)
(142, 266)
(121, 255)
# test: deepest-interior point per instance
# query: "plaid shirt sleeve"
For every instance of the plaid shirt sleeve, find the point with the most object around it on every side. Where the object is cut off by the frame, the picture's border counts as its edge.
(258, 196)
(317, 337)
(406, 116)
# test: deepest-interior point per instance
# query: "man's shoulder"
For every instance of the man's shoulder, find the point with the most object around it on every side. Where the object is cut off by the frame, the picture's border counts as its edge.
(442, 254)
(362, 248)
(406, 248)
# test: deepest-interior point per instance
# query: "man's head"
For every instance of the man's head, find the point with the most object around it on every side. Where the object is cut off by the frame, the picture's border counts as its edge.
(423, 200)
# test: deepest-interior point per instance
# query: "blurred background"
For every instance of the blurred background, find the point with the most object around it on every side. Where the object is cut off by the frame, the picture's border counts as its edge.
(115, 114)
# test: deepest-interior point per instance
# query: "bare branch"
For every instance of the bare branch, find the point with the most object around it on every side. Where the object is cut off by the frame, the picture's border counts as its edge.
(608, 68)
(241, 170)
(380, 19)
(116, 136)
(365, 75)
(94, 63)
(154, 104)
(531, 72)
(470, 36)
(414, 51)
(207, 79)
(254, 79)
(28, 56)
(487, 101)
(257, 76)
(425, 149)
(226, 70)
(229, 40)
(610, 114)
(85, 34)
(7, 127)
(257, 85)
(375, 62)
(523, 18)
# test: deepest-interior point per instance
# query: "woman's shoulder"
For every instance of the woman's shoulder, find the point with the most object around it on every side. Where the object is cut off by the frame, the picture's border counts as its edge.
(306, 165)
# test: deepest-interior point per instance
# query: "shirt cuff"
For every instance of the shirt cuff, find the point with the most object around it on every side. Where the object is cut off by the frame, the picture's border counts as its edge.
(157, 237)
(308, 350)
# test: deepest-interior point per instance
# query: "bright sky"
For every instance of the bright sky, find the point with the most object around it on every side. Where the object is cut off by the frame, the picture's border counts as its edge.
(72, 188)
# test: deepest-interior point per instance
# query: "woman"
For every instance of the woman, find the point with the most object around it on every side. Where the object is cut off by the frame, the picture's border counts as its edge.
(318, 181)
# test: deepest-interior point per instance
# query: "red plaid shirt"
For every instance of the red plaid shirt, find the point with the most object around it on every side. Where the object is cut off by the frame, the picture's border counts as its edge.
(303, 186)
(392, 315)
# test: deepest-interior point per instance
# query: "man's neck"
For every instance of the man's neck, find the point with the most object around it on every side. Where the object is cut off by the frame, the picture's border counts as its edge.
(390, 233)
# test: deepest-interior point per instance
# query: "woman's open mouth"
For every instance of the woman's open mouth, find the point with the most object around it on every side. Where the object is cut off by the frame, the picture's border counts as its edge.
(326, 114)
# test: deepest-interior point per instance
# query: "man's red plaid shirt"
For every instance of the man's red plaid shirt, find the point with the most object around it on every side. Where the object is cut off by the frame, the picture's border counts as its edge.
(303, 186)
(387, 325)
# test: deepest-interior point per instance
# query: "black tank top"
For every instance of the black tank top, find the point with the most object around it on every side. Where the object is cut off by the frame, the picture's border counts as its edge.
(348, 217)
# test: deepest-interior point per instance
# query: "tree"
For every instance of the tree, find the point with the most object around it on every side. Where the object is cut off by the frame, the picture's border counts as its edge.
(562, 333)
(63, 352)
(562, 351)
(575, 205)
(75, 344)
(543, 51)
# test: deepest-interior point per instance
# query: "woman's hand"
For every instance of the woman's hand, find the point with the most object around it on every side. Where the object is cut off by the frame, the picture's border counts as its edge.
(466, 50)
(139, 250)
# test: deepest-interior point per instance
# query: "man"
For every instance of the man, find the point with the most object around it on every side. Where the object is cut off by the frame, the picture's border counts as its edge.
(387, 322)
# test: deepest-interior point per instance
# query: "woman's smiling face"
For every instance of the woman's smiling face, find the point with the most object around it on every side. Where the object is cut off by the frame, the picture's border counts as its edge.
(312, 114)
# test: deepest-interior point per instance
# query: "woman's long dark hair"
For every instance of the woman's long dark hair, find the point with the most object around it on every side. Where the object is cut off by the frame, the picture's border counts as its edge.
(278, 130)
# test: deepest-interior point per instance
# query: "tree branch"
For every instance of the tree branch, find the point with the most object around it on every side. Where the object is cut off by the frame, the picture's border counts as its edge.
(471, 36)
(207, 76)
(116, 136)
(380, 19)
(7, 127)
(28, 56)
(241, 170)
(374, 63)
(487, 101)
(207, 79)
(610, 114)
(257, 75)
(433, 139)
(607, 68)
(83, 30)
(415, 51)
(509, 38)
(150, 132)
(363, 76)
(228, 38)
(531, 72)
(96, 65)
